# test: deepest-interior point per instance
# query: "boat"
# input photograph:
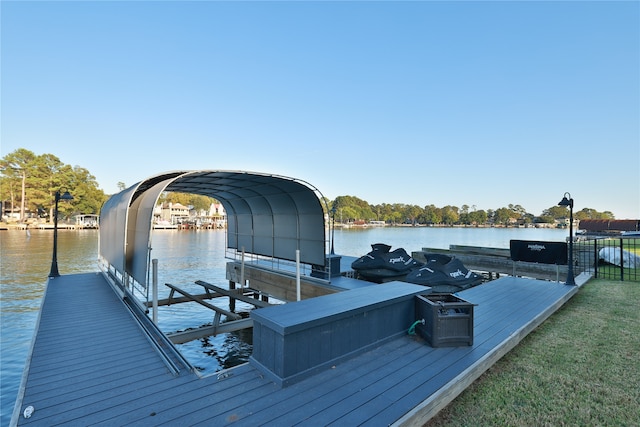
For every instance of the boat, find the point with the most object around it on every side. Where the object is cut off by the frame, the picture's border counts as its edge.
(611, 255)
(444, 274)
(87, 221)
(383, 265)
(164, 225)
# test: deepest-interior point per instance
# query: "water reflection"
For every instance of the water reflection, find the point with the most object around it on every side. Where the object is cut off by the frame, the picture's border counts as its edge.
(233, 351)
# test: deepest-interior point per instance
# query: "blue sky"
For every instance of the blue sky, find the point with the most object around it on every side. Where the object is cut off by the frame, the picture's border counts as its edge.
(447, 103)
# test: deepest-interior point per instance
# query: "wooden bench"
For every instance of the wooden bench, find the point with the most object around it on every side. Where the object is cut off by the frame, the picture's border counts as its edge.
(296, 340)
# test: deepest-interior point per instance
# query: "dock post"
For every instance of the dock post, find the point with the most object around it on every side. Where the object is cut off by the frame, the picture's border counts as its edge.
(298, 273)
(154, 290)
(232, 301)
(242, 271)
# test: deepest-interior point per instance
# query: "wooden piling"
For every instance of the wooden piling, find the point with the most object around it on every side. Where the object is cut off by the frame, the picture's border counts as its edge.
(232, 300)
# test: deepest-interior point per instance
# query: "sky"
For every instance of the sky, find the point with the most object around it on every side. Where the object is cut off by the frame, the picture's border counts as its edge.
(484, 104)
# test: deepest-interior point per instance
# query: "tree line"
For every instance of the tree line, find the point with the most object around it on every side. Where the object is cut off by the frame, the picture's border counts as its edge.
(349, 209)
(28, 182)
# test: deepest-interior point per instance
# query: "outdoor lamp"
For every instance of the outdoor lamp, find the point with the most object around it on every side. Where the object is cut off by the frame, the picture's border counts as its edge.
(54, 261)
(568, 201)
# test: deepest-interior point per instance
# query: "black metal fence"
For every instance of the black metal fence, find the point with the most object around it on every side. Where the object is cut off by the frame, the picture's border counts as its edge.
(616, 258)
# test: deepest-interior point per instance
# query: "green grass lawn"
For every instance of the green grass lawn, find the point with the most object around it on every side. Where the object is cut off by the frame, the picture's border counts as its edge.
(612, 272)
(580, 368)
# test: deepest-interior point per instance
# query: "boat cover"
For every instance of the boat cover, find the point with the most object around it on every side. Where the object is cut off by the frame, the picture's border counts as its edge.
(382, 264)
(611, 255)
(444, 274)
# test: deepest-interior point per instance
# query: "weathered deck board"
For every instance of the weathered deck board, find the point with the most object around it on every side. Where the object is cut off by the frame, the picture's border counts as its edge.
(92, 364)
(87, 348)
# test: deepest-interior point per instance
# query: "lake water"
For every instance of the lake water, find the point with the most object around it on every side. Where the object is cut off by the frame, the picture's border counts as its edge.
(184, 257)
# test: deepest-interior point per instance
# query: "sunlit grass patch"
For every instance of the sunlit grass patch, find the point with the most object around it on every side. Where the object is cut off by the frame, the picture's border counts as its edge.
(580, 367)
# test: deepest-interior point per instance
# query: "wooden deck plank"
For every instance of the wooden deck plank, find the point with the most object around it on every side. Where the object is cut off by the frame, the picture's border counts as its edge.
(179, 401)
(109, 404)
(102, 403)
(473, 368)
(335, 393)
(315, 394)
(212, 394)
(376, 396)
(216, 399)
(53, 348)
(122, 385)
(100, 384)
(85, 339)
(89, 373)
(64, 358)
(405, 394)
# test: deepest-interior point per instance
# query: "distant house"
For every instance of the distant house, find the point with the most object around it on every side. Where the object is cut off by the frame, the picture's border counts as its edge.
(217, 215)
(173, 213)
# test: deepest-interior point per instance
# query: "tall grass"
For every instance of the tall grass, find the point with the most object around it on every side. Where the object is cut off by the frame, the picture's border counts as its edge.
(579, 368)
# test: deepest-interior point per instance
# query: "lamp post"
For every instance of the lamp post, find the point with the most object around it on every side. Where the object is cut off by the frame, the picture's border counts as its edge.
(568, 201)
(54, 262)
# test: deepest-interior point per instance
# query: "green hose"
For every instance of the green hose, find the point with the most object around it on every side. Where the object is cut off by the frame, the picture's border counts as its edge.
(412, 329)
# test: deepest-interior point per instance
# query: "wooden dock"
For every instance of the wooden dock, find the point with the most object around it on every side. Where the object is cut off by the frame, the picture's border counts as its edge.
(95, 361)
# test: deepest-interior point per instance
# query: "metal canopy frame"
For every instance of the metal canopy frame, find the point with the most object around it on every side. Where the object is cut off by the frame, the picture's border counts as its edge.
(267, 215)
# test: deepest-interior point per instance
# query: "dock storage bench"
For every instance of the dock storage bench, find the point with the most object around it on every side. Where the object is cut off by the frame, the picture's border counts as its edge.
(448, 320)
(295, 340)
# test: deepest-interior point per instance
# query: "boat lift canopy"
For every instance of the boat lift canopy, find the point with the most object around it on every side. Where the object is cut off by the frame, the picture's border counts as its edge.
(267, 215)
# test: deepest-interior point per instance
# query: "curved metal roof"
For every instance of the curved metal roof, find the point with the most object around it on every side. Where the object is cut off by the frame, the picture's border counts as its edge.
(267, 215)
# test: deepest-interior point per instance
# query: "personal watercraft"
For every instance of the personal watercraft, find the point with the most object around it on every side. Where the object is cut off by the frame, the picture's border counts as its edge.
(444, 274)
(383, 265)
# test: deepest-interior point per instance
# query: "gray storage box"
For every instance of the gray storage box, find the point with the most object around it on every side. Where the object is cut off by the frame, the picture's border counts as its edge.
(448, 320)
(296, 340)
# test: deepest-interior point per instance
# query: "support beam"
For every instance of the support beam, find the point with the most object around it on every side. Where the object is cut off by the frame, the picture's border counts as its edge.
(232, 301)
(207, 331)
(174, 300)
(193, 298)
(236, 293)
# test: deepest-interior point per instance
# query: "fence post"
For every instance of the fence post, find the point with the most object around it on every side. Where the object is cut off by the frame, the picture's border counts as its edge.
(596, 260)
(621, 261)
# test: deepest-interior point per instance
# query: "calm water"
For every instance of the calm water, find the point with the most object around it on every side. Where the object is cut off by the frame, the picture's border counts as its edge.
(184, 257)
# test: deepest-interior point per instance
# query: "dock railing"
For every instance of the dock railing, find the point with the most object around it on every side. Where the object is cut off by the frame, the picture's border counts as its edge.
(277, 264)
(125, 283)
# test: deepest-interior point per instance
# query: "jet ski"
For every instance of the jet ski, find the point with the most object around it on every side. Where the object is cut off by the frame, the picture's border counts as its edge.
(383, 265)
(444, 274)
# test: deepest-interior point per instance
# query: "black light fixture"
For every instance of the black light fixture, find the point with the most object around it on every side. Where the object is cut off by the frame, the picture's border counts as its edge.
(568, 201)
(54, 262)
